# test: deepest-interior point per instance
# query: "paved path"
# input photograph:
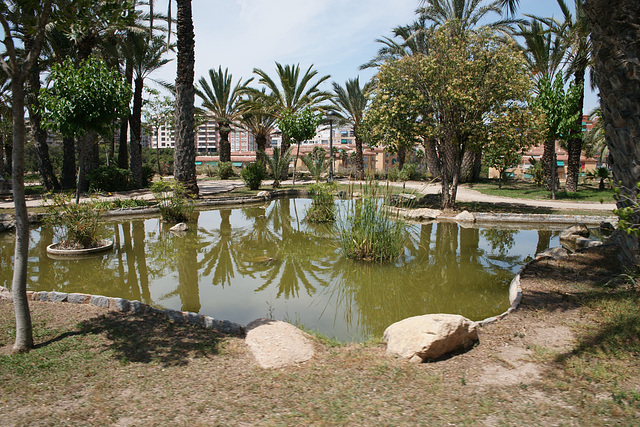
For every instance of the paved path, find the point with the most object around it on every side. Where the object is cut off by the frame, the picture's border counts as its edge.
(465, 194)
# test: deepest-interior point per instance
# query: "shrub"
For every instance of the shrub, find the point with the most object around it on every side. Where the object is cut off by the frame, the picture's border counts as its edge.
(322, 208)
(76, 225)
(367, 231)
(147, 175)
(537, 171)
(109, 178)
(225, 170)
(253, 174)
(174, 203)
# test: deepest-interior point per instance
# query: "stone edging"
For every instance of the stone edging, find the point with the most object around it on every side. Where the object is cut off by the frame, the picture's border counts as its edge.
(515, 296)
(137, 307)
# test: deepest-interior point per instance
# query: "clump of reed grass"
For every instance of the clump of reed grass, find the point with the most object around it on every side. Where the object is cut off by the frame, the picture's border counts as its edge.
(173, 201)
(367, 230)
(322, 207)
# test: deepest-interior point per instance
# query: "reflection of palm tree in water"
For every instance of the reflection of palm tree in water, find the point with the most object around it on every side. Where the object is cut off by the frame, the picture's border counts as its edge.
(220, 254)
(187, 266)
(299, 258)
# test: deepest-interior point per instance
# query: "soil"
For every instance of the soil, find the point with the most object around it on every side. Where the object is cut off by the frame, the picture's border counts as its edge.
(171, 373)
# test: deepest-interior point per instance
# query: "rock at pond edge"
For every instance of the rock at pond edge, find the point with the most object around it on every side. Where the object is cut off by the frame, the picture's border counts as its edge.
(430, 337)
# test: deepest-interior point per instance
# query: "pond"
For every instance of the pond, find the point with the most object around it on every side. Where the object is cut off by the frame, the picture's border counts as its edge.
(265, 261)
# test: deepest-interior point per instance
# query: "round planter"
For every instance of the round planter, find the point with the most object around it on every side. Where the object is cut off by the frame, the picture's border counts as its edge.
(54, 252)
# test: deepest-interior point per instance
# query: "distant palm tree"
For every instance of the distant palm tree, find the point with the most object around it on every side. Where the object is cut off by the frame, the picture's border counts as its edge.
(222, 100)
(145, 55)
(292, 91)
(351, 102)
(259, 118)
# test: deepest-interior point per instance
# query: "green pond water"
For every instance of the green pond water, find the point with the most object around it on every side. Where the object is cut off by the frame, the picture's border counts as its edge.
(265, 261)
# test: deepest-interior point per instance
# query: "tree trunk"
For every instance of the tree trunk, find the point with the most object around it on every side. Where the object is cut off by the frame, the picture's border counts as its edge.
(89, 160)
(24, 334)
(68, 163)
(471, 165)
(548, 164)
(401, 154)
(615, 33)
(185, 148)
(261, 142)
(225, 146)
(451, 161)
(574, 145)
(135, 148)
(123, 152)
(432, 157)
(49, 179)
(359, 159)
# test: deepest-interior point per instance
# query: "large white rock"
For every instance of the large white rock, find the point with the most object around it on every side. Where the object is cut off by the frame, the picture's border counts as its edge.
(275, 344)
(429, 337)
(180, 227)
(575, 231)
(465, 216)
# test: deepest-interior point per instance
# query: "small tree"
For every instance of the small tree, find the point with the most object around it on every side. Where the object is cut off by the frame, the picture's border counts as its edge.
(278, 163)
(510, 134)
(299, 126)
(157, 112)
(84, 98)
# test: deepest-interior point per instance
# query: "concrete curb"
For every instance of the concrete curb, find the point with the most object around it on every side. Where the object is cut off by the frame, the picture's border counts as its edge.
(137, 307)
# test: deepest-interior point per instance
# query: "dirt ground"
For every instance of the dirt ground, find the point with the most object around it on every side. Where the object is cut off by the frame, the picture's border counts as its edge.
(545, 364)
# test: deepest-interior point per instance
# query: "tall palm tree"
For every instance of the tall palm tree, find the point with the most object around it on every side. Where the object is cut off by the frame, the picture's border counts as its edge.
(615, 34)
(467, 13)
(351, 101)
(223, 101)
(412, 39)
(145, 54)
(185, 146)
(542, 49)
(292, 91)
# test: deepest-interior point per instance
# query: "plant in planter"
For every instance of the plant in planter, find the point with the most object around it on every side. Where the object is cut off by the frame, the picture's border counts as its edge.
(76, 225)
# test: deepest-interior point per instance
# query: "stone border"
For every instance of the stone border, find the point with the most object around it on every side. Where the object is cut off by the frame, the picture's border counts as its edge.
(515, 296)
(105, 245)
(137, 307)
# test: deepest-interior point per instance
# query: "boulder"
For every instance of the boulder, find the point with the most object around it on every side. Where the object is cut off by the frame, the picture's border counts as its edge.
(430, 337)
(181, 227)
(555, 253)
(275, 344)
(571, 233)
(403, 199)
(264, 194)
(606, 228)
(5, 293)
(583, 243)
(465, 216)
(416, 214)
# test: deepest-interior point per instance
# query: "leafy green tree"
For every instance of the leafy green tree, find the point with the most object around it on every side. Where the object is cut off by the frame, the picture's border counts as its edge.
(351, 102)
(511, 133)
(84, 98)
(299, 126)
(222, 100)
(559, 109)
(157, 112)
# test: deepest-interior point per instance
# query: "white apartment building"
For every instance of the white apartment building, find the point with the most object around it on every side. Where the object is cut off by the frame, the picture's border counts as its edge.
(343, 135)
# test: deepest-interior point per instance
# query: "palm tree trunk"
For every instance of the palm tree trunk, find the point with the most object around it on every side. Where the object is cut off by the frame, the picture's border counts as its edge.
(548, 164)
(401, 154)
(574, 145)
(24, 334)
(123, 152)
(225, 146)
(432, 157)
(135, 149)
(185, 148)
(615, 32)
(451, 161)
(359, 159)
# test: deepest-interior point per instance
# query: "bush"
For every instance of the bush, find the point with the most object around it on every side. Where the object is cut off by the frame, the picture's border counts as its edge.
(253, 174)
(174, 203)
(368, 232)
(75, 224)
(109, 178)
(147, 175)
(225, 170)
(322, 208)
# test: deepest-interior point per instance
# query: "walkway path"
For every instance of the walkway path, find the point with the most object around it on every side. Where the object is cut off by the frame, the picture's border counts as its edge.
(209, 187)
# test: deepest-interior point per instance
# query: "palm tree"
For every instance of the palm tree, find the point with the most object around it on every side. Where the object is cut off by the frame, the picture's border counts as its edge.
(351, 102)
(222, 100)
(467, 13)
(185, 147)
(145, 53)
(278, 163)
(413, 39)
(259, 118)
(595, 144)
(615, 34)
(542, 49)
(293, 91)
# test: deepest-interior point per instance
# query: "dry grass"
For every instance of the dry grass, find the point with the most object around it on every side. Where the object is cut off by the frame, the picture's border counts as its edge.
(569, 356)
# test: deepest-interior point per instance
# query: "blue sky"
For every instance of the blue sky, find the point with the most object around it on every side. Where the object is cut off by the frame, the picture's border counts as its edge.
(336, 36)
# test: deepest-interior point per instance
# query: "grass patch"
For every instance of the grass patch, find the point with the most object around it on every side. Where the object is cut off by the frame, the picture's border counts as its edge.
(528, 190)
